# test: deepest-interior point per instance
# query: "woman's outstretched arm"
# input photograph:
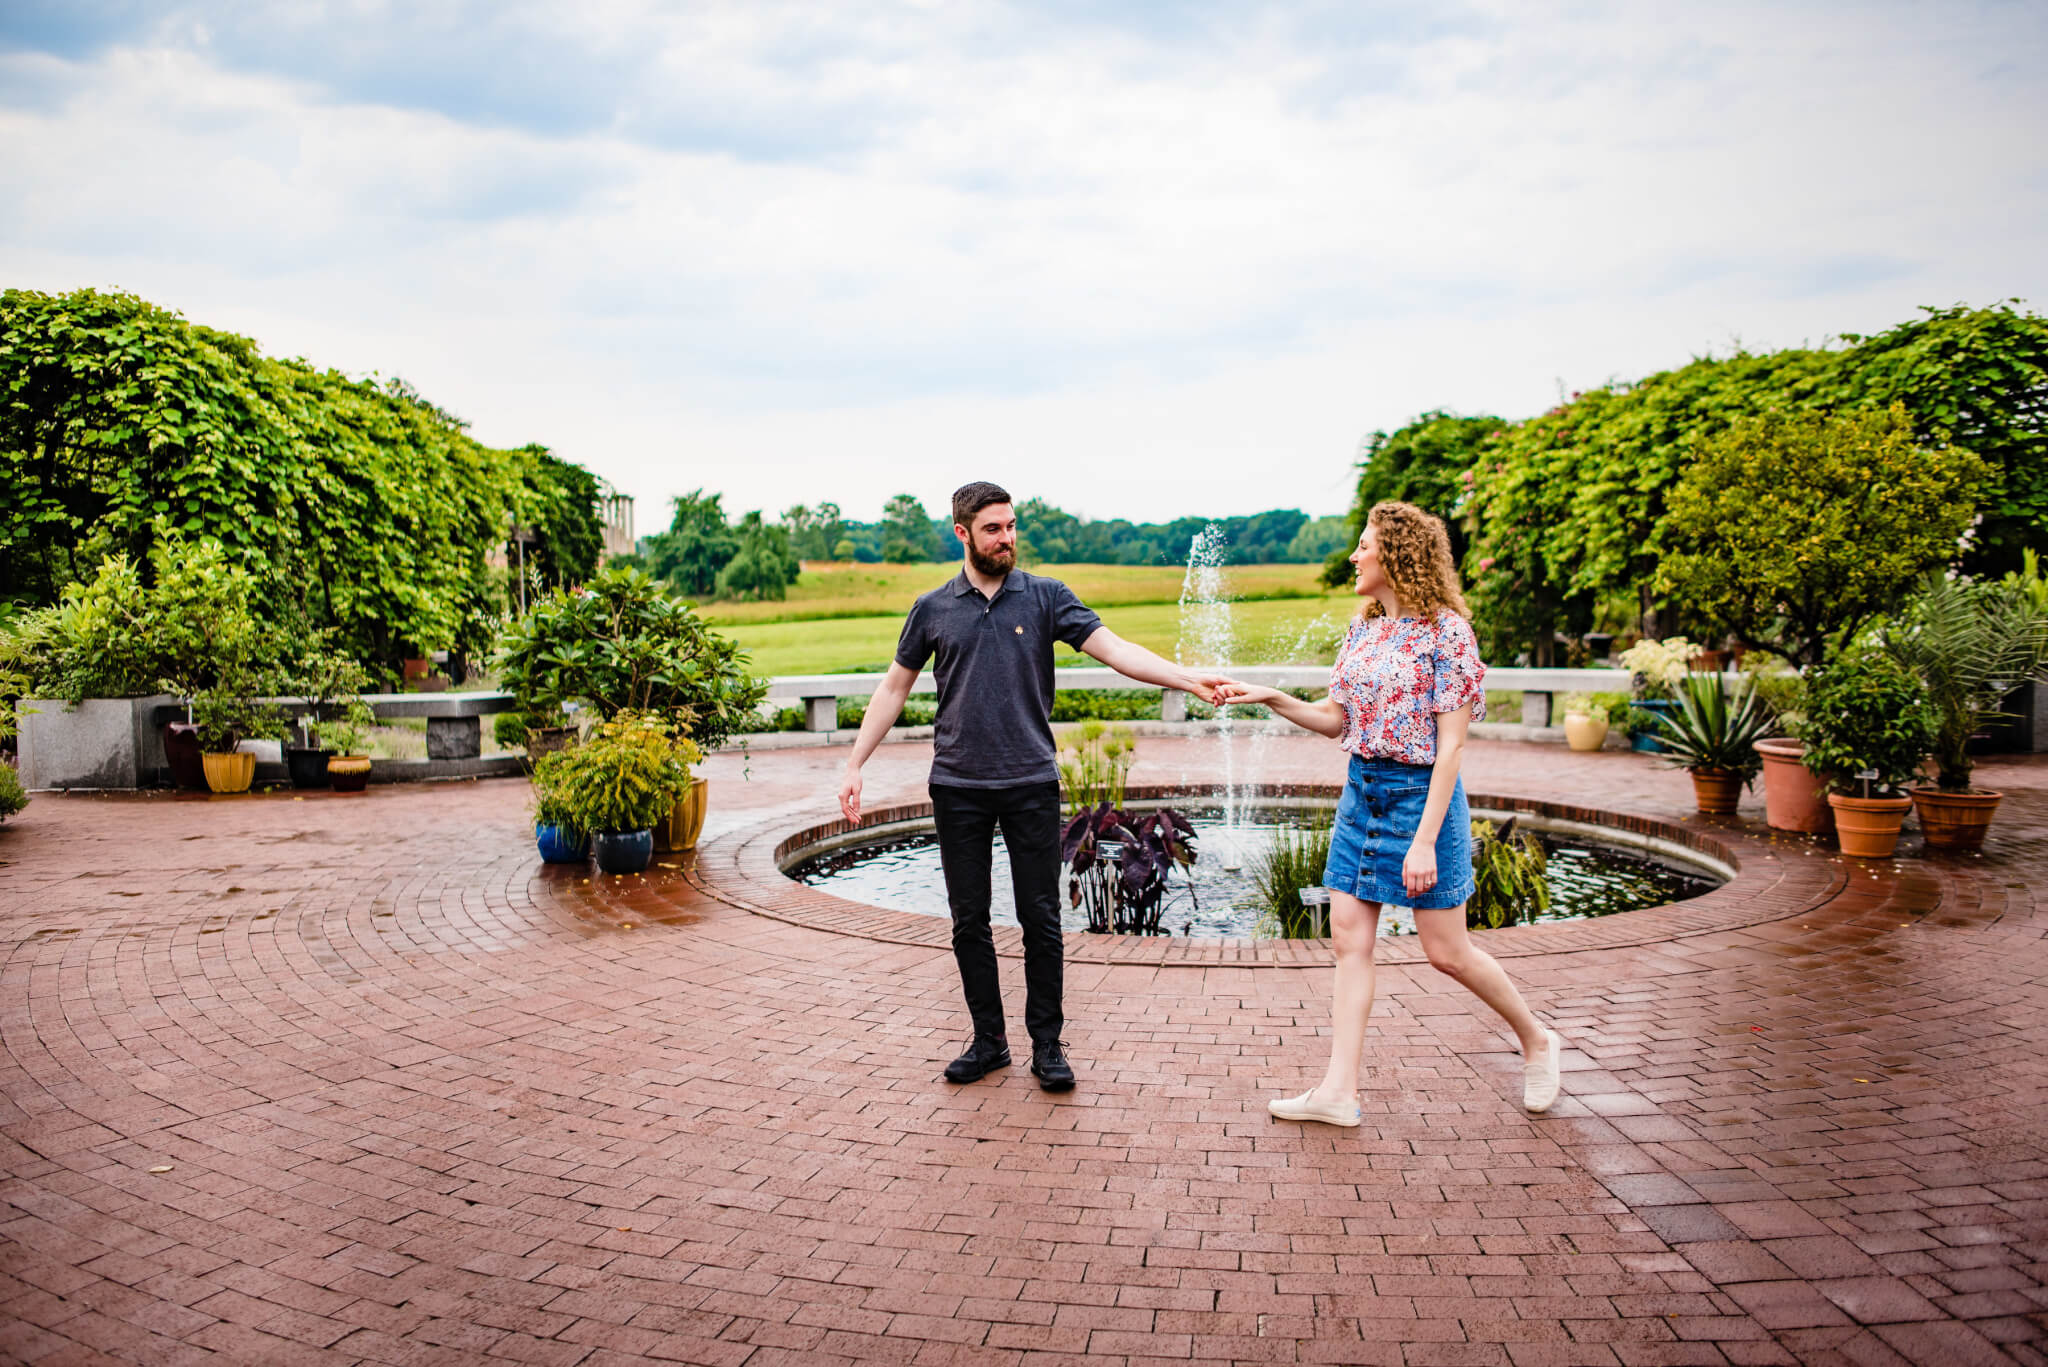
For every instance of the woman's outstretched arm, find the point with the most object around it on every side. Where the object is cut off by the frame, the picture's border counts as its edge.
(1325, 718)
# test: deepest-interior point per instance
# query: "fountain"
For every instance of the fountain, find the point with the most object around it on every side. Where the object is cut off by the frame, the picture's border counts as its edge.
(1589, 876)
(1208, 640)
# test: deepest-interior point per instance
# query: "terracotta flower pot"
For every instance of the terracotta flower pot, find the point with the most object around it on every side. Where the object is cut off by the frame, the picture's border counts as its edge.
(1868, 827)
(348, 773)
(1795, 798)
(229, 773)
(1716, 791)
(1954, 821)
(1583, 733)
(686, 819)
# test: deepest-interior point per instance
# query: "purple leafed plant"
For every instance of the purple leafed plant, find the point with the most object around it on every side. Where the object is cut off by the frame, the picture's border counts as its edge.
(1118, 864)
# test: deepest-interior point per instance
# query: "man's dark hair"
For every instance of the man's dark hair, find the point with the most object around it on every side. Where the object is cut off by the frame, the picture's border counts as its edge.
(970, 499)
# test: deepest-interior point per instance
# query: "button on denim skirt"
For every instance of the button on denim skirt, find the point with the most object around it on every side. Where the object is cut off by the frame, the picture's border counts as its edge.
(1375, 823)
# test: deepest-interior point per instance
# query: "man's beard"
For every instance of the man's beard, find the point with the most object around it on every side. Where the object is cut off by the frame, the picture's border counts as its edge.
(991, 562)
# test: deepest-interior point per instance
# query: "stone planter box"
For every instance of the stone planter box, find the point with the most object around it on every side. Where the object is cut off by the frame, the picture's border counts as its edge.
(102, 743)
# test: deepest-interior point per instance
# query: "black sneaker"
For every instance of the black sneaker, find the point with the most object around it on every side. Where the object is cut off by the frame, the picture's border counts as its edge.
(1049, 1065)
(984, 1055)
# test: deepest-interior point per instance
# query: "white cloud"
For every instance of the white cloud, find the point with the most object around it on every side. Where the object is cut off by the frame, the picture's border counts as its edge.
(800, 252)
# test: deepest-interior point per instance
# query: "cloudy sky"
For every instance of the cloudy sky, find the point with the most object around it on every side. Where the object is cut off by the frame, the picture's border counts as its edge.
(1141, 260)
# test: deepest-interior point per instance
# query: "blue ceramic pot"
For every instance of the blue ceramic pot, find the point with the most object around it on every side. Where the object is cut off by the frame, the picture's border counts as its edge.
(623, 851)
(1644, 740)
(560, 845)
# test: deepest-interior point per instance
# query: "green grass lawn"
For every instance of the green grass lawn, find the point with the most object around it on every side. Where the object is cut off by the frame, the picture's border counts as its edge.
(827, 590)
(1268, 631)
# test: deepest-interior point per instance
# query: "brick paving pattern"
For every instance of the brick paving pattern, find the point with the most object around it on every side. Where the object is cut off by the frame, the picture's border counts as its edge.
(357, 1079)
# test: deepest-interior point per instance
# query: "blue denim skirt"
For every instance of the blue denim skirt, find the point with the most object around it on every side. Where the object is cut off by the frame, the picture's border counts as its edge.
(1375, 823)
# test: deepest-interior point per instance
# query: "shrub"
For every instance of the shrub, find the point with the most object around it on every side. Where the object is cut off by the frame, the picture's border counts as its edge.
(1656, 667)
(624, 777)
(509, 729)
(1715, 731)
(1969, 644)
(919, 709)
(119, 635)
(1292, 862)
(333, 686)
(12, 796)
(1866, 714)
(1794, 530)
(1094, 760)
(1508, 877)
(1106, 704)
(227, 713)
(621, 644)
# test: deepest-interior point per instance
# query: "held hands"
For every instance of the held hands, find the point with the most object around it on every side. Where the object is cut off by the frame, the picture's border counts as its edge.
(1231, 691)
(1209, 687)
(1418, 870)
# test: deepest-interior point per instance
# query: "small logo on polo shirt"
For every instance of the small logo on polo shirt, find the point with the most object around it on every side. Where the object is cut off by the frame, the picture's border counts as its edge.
(1020, 631)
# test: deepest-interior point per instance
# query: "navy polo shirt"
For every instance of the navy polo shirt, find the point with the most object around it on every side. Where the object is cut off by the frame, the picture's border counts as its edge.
(992, 658)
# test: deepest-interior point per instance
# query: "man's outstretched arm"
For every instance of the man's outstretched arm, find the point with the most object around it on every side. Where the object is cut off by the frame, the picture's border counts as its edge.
(1133, 661)
(883, 708)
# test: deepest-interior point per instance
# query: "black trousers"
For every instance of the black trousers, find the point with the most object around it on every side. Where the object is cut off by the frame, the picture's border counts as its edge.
(1030, 818)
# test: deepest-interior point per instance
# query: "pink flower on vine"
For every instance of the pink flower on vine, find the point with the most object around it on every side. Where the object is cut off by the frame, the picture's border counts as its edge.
(1485, 563)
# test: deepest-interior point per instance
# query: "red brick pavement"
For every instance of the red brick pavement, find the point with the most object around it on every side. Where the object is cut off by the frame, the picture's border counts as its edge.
(420, 1100)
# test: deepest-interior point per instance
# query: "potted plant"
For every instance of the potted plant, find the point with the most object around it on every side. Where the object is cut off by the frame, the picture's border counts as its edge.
(331, 685)
(621, 644)
(1970, 644)
(1586, 720)
(1868, 727)
(226, 715)
(623, 779)
(344, 730)
(95, 668)
(1794, 798)
(1712, 736)
(1655, 669)
(555, 829)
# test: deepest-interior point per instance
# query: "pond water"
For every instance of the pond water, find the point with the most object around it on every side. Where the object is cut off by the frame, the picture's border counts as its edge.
(1586, 879)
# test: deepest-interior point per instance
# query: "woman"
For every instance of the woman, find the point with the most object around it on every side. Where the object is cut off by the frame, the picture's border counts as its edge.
(1403, 694)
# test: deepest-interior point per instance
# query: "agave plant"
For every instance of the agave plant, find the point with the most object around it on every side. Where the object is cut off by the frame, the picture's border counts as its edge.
(1715, 728)
(1119, 865)
(1970, 644)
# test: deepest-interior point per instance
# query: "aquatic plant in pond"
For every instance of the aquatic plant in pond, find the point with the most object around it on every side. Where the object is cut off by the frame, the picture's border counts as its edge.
(1584, 879)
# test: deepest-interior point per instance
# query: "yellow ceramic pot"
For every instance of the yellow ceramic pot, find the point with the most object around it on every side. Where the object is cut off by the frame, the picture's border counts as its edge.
(686, 819)
(229, 773)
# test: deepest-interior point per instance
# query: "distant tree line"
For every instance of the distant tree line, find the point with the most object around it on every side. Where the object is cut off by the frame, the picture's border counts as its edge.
(704, 554)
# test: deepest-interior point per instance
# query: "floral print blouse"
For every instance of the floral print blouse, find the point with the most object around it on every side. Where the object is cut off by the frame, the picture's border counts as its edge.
(1394, 674)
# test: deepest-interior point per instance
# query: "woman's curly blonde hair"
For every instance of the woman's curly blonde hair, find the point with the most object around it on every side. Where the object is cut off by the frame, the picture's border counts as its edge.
(1415, 555)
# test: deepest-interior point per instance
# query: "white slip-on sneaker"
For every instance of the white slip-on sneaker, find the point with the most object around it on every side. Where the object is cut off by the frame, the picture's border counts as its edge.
(1539, 1080)
(1306, 1107)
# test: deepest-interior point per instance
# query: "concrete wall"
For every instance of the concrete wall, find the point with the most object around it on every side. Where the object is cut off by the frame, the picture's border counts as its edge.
(102, 743)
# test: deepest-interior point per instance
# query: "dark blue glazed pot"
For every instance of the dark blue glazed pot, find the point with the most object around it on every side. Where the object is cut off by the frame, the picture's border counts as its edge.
(1645, 740)
(622, 851)
(560, 845)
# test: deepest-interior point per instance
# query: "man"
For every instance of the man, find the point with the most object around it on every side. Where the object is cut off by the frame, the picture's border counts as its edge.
(990, 633)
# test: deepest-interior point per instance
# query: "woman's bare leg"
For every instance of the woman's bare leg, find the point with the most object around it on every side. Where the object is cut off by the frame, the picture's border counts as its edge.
(1451, 951)
(1354, 927)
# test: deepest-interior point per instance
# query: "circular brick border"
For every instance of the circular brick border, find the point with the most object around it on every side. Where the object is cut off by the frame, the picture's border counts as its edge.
(1776, 876)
